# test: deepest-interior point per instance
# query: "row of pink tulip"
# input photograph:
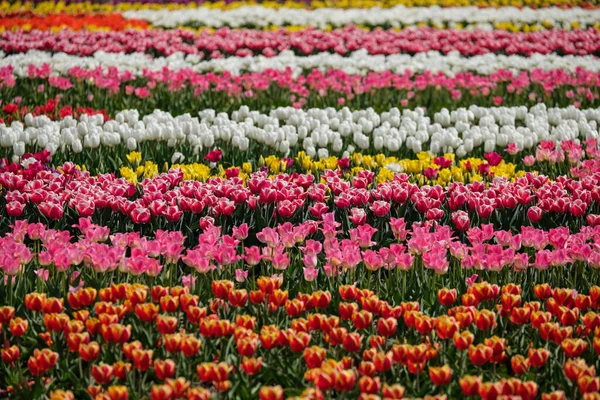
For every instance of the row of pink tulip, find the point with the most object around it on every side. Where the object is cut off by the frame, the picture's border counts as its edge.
(309, 250)
(167, 199)
(185, 90)
(111, 78)
(245, 42)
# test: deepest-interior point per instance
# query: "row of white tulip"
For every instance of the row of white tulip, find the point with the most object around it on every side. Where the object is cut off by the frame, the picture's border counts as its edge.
(258, 16)
(359, 62)
(319, 132)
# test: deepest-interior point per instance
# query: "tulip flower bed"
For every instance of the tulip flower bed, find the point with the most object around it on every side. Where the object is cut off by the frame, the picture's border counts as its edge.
(314, 133)
(185, 91)
(131, 340)
(245, 42)
(75, 22)
(247, 199)
(232, 4)
(398, 16)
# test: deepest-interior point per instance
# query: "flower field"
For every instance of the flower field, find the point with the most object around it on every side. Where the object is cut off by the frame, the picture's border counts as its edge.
(300, 199)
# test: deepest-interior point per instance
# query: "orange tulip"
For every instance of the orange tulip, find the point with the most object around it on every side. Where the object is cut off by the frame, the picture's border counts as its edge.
(520, 315)
(588, 384)
(574, 347)
(446, 326)
(424, 324)
(298, 341)
(34, 301)
(180, 386)
(383, 361)
(393, 392)
(538, 357)
(440, 376)
(270, 393)
(369, 385)
(446, 297)
(314, 356)
(352, 342)
(574, 368)
(251, 366)
(18, 326)
(238, 298)
(348, 292)
(469, 385)
(146, 312)
(142, 359)
(121, 369)
(463, 340)
(10, 354)
(190, 345)
(117, 393)
(75, 340)
(344, 381)
(169, 304)
(542, 291)
(519, 364)
(362, 319)
(212, 372)
(485, 320)
(161, 392)
(347, 310)
(42, 361)
(198, 393)
(102, 373)
(294, 307)
(556, 395)
(221, 288)
(480, 354)
(164, 369)
(387, 326)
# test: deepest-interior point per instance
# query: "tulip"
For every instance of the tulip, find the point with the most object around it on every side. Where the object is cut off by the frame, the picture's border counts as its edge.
(247, 346)
(440, 376)
(485, 320)
(251, 366)
(18, 326)
(161, 392)
(298, 341)
(198, 393)
(11, 354)
(270, 393)
(519, 364)
(164, 369)
(121, 369)
(314, 356)
(369, 385)
(461, 221)
(446, 327)
(538, 357)
(480, 354)
(556, 395)
(574, 347)
(352, 342)
(142, 359)
(117, 393)
(393, 392)
(534, 214)
(469, 385)
(446, 297)
(102, 373)
(463, 340)
(387, 326)
(383, 361)
(344, 381)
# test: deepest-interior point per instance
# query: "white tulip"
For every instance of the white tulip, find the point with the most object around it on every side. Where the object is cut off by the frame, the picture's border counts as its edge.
(131, 144)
